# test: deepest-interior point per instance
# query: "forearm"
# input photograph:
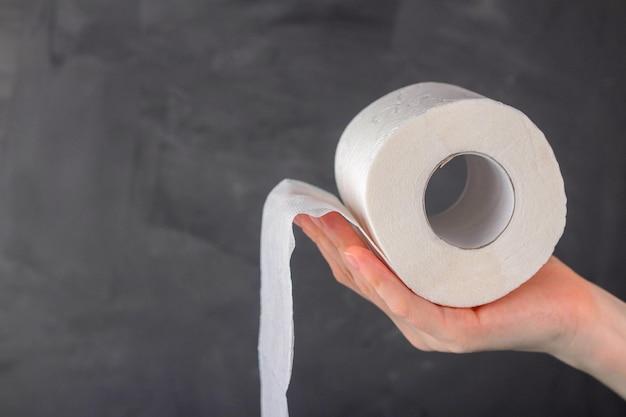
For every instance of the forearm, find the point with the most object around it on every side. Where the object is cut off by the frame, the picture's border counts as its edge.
(599, 347)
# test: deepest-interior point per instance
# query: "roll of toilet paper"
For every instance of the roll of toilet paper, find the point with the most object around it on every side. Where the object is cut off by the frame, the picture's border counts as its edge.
(498, 233)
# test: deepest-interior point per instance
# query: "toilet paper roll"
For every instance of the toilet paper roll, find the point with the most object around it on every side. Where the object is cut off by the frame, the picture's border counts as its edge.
(499, 232)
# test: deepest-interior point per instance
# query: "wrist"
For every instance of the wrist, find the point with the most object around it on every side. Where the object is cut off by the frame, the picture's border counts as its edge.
(598, 340)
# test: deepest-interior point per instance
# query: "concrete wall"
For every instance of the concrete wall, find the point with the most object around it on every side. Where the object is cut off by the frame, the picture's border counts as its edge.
(138, 139)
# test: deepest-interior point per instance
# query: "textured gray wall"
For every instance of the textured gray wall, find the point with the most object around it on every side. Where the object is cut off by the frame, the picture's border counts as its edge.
(139, 138)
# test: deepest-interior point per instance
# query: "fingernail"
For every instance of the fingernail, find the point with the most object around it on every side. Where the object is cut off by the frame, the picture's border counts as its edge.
(297, 221)
(318, 222)
(351, 260)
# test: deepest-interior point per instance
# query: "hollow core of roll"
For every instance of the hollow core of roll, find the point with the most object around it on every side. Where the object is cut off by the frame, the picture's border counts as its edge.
(484, 208)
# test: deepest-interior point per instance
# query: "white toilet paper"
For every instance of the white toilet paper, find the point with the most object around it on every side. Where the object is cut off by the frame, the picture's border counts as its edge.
(500, 231)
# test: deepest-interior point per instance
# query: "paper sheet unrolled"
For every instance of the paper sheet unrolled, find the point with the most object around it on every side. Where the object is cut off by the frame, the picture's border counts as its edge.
(500, 231)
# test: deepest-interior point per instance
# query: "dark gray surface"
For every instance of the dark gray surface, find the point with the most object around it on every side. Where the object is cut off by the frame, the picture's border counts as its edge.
(139, 138)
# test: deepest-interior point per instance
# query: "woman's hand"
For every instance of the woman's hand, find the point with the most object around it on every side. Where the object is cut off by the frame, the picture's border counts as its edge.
(556, 311)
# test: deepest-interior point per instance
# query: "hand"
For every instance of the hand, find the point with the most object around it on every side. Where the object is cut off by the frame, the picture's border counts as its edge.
(539, 315)
(556, 311)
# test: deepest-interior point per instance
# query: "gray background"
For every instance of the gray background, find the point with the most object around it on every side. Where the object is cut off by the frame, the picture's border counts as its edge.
(138, 141)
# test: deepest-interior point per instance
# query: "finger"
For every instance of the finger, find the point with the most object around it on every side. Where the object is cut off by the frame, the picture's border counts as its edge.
(415, 337)
(332, 233)
(370, 292)
(338, 267)
(427, 326)
(331, 230)
(340, 231)
(364, 287)
(399, 300)
(314, 229)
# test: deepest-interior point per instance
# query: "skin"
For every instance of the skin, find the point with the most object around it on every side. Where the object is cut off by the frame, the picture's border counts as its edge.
(556, 311)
